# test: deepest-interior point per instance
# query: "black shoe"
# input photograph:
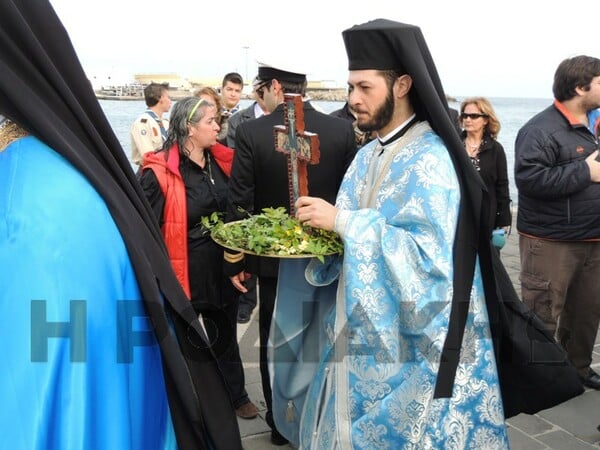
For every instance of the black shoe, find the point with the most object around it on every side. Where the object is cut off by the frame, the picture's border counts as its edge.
(277, 438)
(592, 380)
(243, 316)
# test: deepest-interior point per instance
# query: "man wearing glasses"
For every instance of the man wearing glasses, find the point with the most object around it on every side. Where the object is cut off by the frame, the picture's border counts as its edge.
(259, 179)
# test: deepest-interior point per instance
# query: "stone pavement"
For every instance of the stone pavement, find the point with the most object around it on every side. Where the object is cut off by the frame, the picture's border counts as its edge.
(568, 426)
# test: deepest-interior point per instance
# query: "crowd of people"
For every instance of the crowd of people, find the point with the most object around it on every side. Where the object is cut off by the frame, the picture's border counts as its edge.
(391, 344)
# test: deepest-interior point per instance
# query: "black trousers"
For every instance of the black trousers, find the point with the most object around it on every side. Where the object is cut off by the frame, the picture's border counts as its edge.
(266, 299)
(220, 323)
(248, 300)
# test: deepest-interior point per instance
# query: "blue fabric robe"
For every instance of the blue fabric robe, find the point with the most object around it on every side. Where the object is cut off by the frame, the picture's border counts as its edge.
(375, 382)
(66, 272)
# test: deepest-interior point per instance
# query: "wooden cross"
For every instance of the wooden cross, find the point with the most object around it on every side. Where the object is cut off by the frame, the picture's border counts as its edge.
(301, 147)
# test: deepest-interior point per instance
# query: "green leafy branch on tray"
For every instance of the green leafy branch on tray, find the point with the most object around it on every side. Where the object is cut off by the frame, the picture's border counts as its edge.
(274, 233)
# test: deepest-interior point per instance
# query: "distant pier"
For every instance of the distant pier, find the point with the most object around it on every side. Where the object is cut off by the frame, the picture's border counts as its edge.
(323, 94)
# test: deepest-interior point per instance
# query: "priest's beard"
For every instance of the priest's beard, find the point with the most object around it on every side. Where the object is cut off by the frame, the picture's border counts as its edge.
(382, 115)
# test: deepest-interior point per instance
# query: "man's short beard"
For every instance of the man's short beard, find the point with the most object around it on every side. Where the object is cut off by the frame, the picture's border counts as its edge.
(589, 105)
(383, 115)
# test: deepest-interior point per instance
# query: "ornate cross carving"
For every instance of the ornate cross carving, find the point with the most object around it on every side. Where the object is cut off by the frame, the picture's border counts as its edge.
(301, 147)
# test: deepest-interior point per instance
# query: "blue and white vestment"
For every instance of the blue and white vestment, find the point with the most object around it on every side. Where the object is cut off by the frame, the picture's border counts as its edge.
(373, 386)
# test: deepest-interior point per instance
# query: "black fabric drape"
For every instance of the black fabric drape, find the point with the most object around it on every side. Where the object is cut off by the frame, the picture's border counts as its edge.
(533, 368)
(44, 89)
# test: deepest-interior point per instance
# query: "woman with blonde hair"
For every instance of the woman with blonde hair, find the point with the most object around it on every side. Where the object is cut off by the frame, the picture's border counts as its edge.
(480, 131)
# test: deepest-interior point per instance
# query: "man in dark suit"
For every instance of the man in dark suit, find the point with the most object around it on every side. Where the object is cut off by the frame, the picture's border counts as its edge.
(259, 179)
(247, 301)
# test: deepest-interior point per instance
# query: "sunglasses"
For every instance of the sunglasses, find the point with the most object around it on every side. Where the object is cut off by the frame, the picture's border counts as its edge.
(260, 89)
(473, 116)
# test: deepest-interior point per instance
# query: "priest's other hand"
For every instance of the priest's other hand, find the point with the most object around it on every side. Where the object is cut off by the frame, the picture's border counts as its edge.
(316, 212)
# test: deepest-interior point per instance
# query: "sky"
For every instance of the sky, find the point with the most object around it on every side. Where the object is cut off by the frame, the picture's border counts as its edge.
(509, 48)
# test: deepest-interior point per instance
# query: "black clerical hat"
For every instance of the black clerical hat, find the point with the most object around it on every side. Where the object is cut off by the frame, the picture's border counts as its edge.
(383, 44)
(371, 45)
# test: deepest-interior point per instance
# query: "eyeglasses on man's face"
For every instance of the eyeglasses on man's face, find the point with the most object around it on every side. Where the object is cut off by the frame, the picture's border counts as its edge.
(473, 116)
(260, 89)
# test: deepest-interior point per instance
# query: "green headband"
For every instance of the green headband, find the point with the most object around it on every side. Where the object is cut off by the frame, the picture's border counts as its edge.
(194, 109)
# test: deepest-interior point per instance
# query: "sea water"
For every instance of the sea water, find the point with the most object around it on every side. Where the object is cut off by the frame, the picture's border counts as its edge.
(512, 114)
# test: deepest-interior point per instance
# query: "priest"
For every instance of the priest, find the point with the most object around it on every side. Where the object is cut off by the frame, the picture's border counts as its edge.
(408, 355)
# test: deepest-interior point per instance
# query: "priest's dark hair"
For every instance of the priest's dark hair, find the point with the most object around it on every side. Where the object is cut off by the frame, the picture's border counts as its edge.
(44, 89)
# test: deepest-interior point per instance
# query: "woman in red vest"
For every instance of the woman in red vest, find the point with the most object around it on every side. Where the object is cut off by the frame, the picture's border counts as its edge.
(185, 182)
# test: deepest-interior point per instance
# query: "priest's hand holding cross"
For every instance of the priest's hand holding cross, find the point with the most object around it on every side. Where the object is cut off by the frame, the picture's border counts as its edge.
(301, 147)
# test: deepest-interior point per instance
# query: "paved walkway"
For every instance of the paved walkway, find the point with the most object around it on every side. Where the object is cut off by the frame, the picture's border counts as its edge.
(569, 426)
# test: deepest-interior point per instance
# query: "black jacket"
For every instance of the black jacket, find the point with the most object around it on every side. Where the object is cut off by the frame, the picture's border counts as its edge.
(233, 122)
(557, 199)
(343, 113)
(494, 173)
(259, 175)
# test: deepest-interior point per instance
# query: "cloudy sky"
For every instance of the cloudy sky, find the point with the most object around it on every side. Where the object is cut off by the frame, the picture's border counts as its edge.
(496, 49)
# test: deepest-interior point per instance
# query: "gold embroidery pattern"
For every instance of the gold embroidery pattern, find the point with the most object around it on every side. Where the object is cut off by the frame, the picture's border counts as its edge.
(9, 133)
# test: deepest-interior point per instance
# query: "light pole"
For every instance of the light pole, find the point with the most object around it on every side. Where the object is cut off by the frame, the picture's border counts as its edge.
(246, 47)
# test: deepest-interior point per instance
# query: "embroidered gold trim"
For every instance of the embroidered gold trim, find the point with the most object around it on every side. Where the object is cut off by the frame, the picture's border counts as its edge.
(9, 133)
(233, 257)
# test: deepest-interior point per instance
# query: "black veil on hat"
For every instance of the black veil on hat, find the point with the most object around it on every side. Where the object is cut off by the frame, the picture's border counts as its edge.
(43, 88)
(526, 385)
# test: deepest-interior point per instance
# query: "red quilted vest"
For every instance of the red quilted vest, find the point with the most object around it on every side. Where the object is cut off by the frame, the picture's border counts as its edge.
(174, 229)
